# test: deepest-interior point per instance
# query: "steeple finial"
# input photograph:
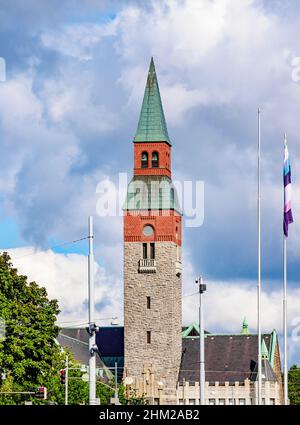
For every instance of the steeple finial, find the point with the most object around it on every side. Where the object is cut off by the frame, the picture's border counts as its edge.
(152, 124)
(245, 327)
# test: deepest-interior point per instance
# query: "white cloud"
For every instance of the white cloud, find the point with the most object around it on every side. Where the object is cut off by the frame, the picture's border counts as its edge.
(65, 278)
(78, 40)
(228, 302)
(218, 51)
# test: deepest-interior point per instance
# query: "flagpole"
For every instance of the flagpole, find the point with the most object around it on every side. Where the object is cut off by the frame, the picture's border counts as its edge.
(259, 392)
(285, 370)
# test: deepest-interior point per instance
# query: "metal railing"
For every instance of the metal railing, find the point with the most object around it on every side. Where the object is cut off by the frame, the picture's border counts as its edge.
(147, 265)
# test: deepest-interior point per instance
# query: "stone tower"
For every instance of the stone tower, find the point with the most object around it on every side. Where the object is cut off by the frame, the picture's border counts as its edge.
(152, 258)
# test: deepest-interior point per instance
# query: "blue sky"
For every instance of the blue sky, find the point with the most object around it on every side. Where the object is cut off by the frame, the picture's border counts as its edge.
(68, 113)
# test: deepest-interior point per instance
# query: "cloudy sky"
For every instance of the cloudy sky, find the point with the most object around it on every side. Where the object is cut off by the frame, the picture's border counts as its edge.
(75, 75)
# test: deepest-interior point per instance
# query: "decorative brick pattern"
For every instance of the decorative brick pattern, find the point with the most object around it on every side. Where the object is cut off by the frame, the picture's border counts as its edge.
(166, 227)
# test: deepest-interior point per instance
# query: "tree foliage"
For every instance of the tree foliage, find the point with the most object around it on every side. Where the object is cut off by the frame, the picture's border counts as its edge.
(294, 384)
(29, 351)
(29, 354)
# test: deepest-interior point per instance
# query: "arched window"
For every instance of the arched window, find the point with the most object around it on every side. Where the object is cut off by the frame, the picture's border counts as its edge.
(144, 162)
(154, 159)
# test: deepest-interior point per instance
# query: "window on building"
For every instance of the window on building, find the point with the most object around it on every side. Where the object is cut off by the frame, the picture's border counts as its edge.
(192, 401)
(231, 402)
(172, 198)
(160, 198)
(263, 401)
(152, 250)
(242, 401)
(148, 337)
(148, 303)
(155, 160)
(148, 230)
(272, 401)
(144, 162)
(222, 401)
(149, 198)
(212, 401)
(180, 401)
(144, 251)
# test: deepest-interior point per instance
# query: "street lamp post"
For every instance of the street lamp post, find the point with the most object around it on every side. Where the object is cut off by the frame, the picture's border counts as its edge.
(202, 289)
(92, 326)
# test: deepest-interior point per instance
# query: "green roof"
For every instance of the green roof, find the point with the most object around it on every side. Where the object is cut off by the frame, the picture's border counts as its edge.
(152, 125)
(273, 347)
(151, 193)
(245, 328)
(193, 327)
(264, 350)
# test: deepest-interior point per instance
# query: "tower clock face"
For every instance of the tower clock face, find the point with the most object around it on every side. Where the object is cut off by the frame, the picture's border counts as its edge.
(148, 230)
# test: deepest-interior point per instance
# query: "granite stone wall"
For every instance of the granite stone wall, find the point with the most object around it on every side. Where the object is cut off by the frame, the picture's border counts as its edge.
(163, 319)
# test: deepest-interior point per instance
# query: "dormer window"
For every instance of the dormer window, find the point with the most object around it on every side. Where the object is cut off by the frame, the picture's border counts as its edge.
(144, 162)
(155, 160)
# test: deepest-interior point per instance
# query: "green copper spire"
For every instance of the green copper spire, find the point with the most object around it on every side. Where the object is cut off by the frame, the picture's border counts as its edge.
(264, 350)
(245, 328)
(152, 124)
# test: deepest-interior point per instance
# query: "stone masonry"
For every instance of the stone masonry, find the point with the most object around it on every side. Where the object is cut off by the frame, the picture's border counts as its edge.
(163, 319)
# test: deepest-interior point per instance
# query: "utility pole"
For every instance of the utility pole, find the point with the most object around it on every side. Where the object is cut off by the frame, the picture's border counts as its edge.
(259, 378)
(67, 381)
(92, 326)
(202, 289)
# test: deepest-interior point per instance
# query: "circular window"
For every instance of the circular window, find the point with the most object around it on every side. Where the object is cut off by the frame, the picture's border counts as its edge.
(148, 230)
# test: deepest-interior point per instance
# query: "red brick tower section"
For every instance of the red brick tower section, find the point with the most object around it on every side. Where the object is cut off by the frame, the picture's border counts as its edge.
(166, 223)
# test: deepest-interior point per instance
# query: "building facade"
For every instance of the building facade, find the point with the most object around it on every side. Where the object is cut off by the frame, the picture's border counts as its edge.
(152, 257)
(230, 368)
(230, 363)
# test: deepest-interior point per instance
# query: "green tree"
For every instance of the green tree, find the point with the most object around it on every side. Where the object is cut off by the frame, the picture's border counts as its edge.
(28, 352)
(78, 390)
(294, 384)
(130, 396)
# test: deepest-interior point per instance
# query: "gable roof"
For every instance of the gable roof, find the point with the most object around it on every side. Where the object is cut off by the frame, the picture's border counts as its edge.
(152, 125)
(192, 331)
(110, 342)
(231, 357)
(227, 358)
(267, 373)
(78, 347)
